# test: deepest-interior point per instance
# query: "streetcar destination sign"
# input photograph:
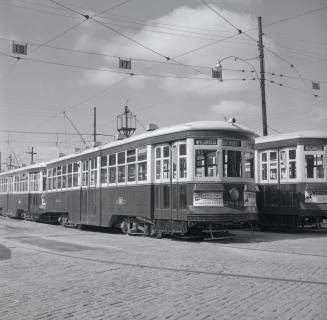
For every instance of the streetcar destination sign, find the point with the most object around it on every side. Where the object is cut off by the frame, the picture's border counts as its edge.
(19, 48)
(205, 142)
(313, 148)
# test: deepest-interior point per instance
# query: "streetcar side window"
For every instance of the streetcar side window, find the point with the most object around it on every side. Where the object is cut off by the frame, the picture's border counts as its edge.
(131, 167)
(93, 172)
(2, 185)
(121, 167)
(59, 176)
(85, 173)
(54, 179)
(205, 163)
(64, 177)
(34, 182)
(75, 174)
(50, 179)
(162, 163)
(158, 163)
(112, 168)
(142, 164)
(104, 170)
(23, 182)
(166, 163)
(232, 163)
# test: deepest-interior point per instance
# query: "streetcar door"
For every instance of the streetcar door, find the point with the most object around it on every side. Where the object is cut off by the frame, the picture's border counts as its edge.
(84, 191)
(90, 194)
(174, 182)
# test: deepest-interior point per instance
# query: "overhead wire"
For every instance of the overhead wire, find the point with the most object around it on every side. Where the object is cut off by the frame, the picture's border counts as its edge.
(52, 133)
(100, 54)
(120, 72)
(86, 17)
(9, 71)
(295, 16)
(167, 58)
(295, 89)
(34, 9)
(269, 50)
(281, 75)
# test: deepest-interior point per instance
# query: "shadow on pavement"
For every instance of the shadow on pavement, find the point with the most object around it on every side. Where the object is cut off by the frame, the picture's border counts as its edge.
(5, 253)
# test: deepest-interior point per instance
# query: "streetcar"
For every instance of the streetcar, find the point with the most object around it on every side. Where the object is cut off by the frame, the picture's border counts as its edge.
(292, 178)
(193, 177)
(22, 193)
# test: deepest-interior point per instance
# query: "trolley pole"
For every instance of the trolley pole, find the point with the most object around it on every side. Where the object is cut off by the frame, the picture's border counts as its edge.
(262, 80)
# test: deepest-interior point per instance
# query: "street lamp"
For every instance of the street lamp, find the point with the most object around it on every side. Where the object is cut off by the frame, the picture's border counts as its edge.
(219, 65)
(218, 74)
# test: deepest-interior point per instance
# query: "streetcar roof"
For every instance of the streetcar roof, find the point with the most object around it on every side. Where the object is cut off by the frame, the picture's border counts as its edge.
(25, 168)
(190, 126)
(297, 137)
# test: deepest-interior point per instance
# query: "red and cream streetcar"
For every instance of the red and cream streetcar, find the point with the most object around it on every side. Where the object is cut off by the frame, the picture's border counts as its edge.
(292, 177)
(192, 177)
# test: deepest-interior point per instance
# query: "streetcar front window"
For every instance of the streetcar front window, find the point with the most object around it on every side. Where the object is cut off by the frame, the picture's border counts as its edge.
(292, 164)
(182, 160)
(205, 163)
(283, 165)
(264, 166)
(232, 163)
(314, 165)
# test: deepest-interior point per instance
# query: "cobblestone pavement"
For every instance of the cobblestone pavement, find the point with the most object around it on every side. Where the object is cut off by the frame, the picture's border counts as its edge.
(50, 272)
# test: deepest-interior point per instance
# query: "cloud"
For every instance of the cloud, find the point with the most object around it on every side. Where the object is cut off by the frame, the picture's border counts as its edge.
(182, 30)
(234, 108)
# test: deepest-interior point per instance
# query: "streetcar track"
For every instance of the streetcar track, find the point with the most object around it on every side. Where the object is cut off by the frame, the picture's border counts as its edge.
(274, 251)
(186, 271)
(24, 235)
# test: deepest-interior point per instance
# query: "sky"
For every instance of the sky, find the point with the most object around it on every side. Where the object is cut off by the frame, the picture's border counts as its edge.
(72, 66)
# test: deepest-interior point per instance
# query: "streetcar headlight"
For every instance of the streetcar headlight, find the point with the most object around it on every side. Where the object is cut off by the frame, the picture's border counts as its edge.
(234, 194)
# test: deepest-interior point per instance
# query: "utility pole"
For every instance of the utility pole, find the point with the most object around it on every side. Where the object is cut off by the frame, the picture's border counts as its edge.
(32, 153)
(262, 80)
(94, 125)
(10, 165)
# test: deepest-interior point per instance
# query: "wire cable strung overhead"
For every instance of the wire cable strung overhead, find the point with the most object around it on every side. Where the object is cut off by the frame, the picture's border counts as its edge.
(167, 58)
(119, 72)
(54, 133)
(100, 54)
(295, 89)
(267, 49)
